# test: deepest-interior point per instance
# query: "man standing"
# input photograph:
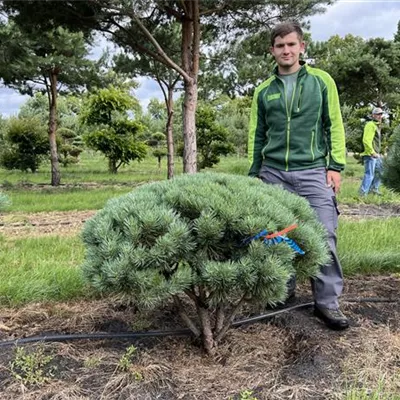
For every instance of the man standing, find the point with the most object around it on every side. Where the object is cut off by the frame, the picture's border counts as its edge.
(371, 156)
(297, 140)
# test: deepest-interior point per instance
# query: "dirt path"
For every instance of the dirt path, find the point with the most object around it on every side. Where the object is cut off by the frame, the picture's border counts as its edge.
(44, 223)
(70, 222)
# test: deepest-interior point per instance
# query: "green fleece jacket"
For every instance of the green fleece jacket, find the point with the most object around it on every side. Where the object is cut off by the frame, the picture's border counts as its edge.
(371, 139)
(305, 132)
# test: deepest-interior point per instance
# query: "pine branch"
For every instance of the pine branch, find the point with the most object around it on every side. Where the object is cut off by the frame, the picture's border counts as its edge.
(219, 319)
(185, 318)
(229, 320)
(160, 51)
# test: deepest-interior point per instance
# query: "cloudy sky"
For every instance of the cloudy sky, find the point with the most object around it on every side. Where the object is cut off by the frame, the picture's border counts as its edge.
(365, 18)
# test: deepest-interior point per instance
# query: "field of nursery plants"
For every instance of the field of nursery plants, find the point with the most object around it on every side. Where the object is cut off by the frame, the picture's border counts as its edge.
(135, 287)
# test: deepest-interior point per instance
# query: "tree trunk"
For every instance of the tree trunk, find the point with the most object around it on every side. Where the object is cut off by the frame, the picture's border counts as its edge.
(55, 167)
(170, 134)
(189, 128)
(190, 64)
(206, 330)
(112, 166)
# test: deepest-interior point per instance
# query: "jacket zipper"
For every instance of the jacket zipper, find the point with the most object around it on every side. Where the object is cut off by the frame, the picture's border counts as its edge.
(299, 102)
(312, 144)
(288, 114)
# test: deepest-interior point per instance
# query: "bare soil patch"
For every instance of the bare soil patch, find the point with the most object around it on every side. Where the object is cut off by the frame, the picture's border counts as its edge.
(358, 211)
(292, 356)
(43, 223)
(71, 222)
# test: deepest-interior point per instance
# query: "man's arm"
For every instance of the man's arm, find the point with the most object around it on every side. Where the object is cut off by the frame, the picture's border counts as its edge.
(257, 133)
(368, 138)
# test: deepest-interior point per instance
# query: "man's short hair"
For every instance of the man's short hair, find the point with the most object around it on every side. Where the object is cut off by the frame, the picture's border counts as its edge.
(285, 29)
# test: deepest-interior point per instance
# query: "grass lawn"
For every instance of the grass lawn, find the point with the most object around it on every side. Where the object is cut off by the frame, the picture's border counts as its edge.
(46, 268)
(93, 169)
(40, 269)
(369, 245)
(60, 199)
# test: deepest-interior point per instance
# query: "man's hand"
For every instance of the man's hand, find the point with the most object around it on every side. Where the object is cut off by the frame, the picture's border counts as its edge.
(333, 180)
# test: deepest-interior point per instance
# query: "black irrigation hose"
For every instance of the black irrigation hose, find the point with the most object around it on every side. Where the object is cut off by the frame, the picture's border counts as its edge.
(94, 336)
(177, 332)
(271, 314)
(370, 300)
(137, 335)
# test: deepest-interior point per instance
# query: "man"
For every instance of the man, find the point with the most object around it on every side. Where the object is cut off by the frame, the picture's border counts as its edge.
(297, 140)
(371, 156)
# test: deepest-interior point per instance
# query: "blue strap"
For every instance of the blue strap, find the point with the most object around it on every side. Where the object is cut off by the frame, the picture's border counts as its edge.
(275, 240)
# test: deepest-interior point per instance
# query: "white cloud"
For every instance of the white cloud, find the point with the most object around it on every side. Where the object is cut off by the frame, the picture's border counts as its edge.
(367, 19)
(10, 101)
(147, 90)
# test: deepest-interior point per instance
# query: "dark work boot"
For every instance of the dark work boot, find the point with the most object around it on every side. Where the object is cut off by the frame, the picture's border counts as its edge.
(334, 319)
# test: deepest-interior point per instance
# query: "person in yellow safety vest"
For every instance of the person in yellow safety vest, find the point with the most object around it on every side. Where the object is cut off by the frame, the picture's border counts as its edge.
(371, 156)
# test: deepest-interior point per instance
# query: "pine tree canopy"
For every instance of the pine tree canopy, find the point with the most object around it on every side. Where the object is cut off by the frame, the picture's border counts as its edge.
(188, 235)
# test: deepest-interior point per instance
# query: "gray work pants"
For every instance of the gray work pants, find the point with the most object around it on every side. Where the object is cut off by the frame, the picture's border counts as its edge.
(311, 184)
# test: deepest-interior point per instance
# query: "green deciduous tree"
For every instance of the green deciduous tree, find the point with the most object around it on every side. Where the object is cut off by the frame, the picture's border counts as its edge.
(354, 120)
(186, 237)
(234, 115)
(25, 144)
(112, 131)
(142, 64)
(212, 138)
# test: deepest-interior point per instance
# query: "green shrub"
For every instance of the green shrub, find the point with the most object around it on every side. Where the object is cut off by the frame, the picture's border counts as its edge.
(26, 144)
(4, 201)
(111, 131)
(186, 236)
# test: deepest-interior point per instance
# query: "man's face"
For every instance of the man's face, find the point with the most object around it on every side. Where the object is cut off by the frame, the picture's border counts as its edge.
(287, 50)
(377, 117)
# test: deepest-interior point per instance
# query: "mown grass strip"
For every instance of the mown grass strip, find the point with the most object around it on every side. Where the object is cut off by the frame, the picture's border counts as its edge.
(369, 245)
(47, 268)
(92, 168)
(63, 199)
(41, 269)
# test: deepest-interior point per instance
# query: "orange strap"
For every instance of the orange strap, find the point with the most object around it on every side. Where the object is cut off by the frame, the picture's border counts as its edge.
(282, 232)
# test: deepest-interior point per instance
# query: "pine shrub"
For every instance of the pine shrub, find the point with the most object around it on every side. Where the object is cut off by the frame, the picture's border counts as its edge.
(187, 237)
(4, 201)
(391, 170)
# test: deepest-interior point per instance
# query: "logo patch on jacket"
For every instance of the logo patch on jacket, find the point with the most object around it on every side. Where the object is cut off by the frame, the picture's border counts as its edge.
(273, 96)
